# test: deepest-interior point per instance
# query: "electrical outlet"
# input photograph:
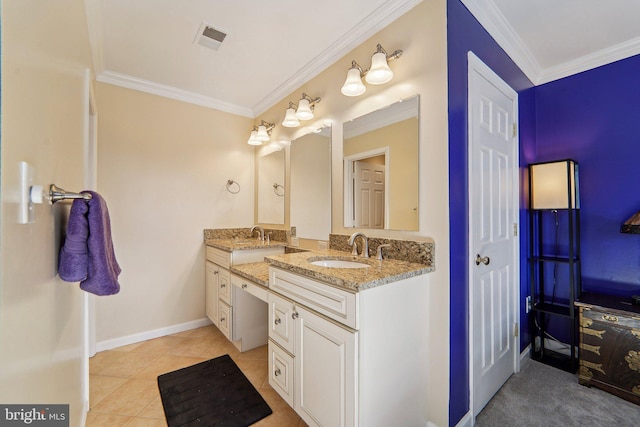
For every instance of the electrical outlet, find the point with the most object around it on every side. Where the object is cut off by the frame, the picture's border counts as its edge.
(529, 307)
(293, 231)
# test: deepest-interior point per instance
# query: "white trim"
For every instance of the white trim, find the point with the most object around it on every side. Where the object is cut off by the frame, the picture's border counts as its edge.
(466, 421)
(475, 64)
(525, 355)
(156, 333)
(171, 92)
(490, 17)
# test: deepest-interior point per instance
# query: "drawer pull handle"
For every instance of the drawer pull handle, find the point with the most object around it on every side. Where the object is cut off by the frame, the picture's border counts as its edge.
(295, 315)
(609, 318)
(222, 319)
(244, 286)
(277, 372)
(216, 272)
(277, 321)
(222, 285)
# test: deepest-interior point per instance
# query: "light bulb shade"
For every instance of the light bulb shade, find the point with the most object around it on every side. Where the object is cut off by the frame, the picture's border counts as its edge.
(353, 85)
(304, 111)
(554, 185)
(379, 73)
(290, 119)
(262, 134)
(252, 139)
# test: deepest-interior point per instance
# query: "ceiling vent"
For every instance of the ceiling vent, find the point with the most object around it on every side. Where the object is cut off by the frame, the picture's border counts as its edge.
(209, 37)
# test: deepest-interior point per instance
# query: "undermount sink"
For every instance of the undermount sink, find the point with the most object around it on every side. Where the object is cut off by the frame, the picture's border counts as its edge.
(338, 263)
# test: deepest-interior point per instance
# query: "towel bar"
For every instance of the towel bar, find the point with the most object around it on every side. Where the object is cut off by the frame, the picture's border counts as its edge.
(57, 194)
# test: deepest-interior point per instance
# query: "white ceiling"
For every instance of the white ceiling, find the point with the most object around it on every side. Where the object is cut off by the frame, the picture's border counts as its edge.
(274, 47)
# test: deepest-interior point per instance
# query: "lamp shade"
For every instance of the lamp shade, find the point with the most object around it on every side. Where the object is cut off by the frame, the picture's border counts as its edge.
(380, 73)
(304, 111)
(262, 134)
(252, 139)
(353, 85)
(290, 119)
(554, 185)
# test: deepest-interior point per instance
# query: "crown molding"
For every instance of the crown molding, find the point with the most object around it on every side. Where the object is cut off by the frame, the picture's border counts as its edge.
(594, 60)
(494, 22)
(171, 92)
(374, 22)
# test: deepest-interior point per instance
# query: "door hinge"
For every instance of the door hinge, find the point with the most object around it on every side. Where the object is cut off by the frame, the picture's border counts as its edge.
(516, 330)
(515, 230)
(515, 130)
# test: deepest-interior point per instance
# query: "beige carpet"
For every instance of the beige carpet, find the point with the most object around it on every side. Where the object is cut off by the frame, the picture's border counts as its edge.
(540, 395)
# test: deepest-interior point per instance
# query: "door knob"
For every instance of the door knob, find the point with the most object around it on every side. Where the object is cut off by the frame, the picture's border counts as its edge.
(485, 260)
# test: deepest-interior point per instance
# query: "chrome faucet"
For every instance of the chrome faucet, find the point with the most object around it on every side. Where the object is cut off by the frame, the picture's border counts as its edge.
(365, 244)
(379, 251)
(260, 231)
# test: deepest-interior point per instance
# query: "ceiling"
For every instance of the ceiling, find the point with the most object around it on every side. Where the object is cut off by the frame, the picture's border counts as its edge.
(272, 48)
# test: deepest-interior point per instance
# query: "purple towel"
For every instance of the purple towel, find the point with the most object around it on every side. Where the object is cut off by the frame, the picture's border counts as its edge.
(87, 255)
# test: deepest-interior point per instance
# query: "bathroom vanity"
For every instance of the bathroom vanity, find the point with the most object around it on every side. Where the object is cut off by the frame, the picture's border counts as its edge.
(347, 336)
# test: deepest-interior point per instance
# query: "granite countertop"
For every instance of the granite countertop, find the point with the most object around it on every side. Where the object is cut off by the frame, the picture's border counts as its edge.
(257, 272)
(241, 244)
(353, 279)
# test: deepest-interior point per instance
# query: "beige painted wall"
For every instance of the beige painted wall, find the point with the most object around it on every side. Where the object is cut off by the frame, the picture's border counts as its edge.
(421, 33)
(162, 168)
(45, 54)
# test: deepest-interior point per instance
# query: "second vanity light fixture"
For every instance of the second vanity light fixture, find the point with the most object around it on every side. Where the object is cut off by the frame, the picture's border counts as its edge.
(304, 111)
(261, 133)
(379, 73)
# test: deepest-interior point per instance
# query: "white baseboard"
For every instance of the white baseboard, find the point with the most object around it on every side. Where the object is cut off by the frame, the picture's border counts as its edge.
(525, 356)
(466, 421)
(156, 333)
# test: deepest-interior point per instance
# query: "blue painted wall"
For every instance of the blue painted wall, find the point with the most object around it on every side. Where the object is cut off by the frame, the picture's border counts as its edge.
(594, 118)
(465, 34)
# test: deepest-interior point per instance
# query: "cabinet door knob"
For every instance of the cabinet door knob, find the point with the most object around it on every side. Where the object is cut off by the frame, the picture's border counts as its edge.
(484, 260)
(244, 286)
(277, 372)
(222, 285)
(222, 319)
(216, 272)
(277, 321)
(294, 315)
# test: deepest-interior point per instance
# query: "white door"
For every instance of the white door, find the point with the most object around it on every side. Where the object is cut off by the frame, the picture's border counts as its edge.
(369, 190)
(493, 222)
(324, 371)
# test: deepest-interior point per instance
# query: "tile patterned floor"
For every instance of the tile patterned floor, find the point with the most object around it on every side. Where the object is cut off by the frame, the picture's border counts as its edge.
(123, 381)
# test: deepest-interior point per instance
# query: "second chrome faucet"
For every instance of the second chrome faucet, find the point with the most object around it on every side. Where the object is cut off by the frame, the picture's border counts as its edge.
(365, 244)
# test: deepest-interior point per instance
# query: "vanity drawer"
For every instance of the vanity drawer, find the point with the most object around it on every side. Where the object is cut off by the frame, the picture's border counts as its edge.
(218, 256)
(257, 291)
(224, 319)
(336, 304)
(224, 286)
(281, 372)
(281, 321)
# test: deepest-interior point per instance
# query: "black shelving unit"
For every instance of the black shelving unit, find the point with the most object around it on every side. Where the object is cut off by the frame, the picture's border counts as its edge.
(554, 260)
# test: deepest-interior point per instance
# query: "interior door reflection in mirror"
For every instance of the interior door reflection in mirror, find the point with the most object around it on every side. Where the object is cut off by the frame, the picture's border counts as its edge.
(271, 188)
(311, 185)
(381, 168)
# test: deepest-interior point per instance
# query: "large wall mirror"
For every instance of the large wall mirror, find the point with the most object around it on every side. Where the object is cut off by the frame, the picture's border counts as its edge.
(310, 186)
(271, 188)
(381, 168)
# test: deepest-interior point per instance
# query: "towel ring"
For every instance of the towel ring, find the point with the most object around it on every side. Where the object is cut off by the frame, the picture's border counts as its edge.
(276, 188)
(230, 183)
(57, 194)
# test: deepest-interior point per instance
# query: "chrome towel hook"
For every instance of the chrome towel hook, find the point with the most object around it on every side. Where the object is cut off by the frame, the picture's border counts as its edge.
(57, 194)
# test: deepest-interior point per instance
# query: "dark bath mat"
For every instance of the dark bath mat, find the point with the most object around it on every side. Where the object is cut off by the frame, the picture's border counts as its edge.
(211, 393)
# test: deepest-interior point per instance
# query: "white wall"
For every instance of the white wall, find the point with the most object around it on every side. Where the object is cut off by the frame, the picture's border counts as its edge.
(422, 69)
(45, 53)
(162, 168)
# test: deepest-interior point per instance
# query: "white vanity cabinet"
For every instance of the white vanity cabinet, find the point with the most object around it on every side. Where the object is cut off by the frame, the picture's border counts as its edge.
(220, 297)
(343, 358)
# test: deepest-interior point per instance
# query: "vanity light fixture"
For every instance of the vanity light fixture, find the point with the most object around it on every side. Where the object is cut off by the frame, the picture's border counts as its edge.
(379, 72)
(304, 111)
(290, 119)
(260, 133)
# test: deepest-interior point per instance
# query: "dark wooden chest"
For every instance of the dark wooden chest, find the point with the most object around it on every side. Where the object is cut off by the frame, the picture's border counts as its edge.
(610, 346)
